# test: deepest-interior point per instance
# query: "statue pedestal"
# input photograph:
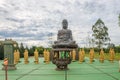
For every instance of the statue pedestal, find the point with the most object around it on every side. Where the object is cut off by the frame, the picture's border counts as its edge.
(60, 47)
(36, 62)
(61, 60)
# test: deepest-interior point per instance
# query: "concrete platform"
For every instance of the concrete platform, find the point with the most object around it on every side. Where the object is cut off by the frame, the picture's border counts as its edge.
(42, 71)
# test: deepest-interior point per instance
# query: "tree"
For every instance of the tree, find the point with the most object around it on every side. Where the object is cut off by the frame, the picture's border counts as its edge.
(111, 45)
(92, 42)
(21, 49)
(40, 49)
(1, 51)
(31, 51)
(100, 33)
(117, 49)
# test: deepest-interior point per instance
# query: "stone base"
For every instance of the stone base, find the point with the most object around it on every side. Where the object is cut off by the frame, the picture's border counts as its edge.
(63, 69)
(47, 62)
(18, 61)
(36, 62)
(73, 60)
(102, 61)
(26, 62)
(9, 67)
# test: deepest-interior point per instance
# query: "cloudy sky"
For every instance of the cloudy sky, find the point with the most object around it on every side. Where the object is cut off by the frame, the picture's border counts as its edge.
(36, 22)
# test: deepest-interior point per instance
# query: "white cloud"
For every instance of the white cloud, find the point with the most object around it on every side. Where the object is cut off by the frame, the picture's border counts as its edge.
(34, 20)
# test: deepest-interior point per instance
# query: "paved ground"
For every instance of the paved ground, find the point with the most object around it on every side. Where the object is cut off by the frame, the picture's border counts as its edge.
(84, 71)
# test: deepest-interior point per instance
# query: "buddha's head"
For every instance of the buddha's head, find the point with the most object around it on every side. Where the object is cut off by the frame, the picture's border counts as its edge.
(64, 24)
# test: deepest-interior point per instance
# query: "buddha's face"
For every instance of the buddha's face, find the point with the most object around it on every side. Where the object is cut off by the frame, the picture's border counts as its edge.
(65, 24)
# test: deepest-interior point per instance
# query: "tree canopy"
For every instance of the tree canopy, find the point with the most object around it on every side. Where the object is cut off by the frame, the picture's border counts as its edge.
(100, 33)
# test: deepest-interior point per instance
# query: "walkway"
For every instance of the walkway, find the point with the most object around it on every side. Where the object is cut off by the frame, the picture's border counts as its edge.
(84, 71)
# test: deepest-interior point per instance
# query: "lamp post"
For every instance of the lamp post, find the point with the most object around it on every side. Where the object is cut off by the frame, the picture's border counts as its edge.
(5, 65)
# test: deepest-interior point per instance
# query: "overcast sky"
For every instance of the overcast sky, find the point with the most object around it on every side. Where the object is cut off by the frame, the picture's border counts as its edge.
(33, 21)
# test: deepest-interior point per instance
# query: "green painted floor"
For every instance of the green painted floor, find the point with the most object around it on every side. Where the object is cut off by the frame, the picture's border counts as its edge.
(84, 71)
